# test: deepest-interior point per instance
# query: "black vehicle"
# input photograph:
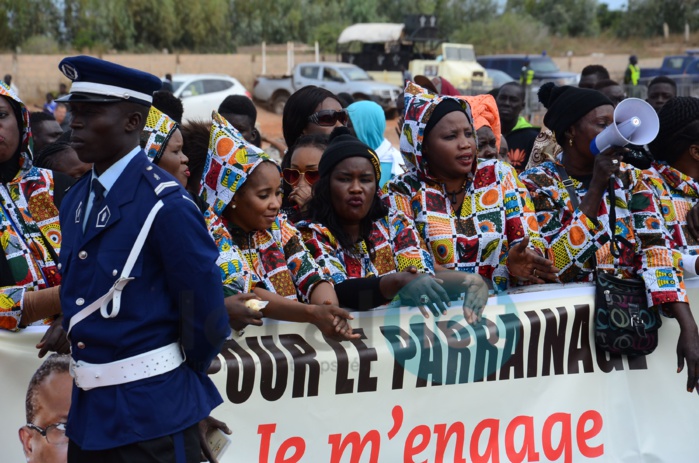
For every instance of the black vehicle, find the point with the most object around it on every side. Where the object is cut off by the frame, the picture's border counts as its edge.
(545, 70)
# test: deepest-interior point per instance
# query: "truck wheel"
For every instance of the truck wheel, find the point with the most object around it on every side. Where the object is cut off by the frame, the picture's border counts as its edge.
(279, 102)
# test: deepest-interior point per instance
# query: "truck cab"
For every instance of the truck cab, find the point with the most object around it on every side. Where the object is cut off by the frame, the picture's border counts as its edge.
(456, 63)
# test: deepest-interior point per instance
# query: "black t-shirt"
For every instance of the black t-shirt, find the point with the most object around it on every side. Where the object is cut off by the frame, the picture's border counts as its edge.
(520, 143)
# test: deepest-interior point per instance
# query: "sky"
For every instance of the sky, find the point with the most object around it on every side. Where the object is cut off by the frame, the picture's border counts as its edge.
(614, 4)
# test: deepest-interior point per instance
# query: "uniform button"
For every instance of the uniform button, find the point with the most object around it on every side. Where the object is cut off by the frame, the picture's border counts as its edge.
(59, 266)
(114, 272)
(79, 301)
(82, 254)
(149, 168)
(81, 345)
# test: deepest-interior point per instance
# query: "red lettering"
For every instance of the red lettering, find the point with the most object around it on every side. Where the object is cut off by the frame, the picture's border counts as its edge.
(299, 446)
(443, 436)
(492, 451)
(411, 449)
(528, 444)
(565, 441)
(266, 431)
(583, 436)
(338, 446)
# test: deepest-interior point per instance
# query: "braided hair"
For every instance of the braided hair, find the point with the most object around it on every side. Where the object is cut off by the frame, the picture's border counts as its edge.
(679, 128)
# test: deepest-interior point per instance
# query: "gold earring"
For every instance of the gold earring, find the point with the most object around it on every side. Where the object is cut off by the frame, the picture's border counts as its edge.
(570, 141)
(232, 206)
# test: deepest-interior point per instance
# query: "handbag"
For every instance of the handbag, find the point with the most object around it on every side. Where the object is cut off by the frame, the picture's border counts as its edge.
(624, 324)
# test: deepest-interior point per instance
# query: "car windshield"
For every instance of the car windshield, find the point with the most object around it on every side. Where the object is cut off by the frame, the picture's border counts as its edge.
(459, 54)
(544, 65)
(676, 63)
(355, 74)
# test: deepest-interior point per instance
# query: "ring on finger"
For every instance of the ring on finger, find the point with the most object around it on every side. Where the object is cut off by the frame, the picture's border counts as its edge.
(424, 299)
(615, 161)
(534, 273)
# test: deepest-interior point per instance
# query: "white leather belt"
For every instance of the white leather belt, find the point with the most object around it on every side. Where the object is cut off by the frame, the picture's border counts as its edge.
(153, 363)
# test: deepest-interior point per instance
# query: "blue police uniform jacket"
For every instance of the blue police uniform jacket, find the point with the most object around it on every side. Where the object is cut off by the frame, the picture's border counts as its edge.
(176, 295)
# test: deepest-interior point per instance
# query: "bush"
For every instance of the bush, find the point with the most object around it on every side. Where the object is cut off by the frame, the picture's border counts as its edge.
(40, 45)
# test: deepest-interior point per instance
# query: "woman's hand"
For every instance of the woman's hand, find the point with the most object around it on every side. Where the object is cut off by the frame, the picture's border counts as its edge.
(300, 195)
(332, 321)
(688, 352)
(207, 425)
(475, 297)
(606, 164)
(239, 315)
(527, 265)
(425, 292)
(693, 221)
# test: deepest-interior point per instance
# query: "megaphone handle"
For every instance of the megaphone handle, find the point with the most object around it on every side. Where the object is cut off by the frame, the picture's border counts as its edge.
(611, 195)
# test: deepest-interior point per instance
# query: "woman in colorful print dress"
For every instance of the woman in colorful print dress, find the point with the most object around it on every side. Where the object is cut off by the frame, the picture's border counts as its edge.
(372, 252)
(579, 237)
(243, 187)
(472, 215)
(30, 237)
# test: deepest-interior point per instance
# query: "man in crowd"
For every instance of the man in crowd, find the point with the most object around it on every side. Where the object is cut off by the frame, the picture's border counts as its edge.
(45, 130)
(592, 74)
(518, 132)
(47, 403)
(660, 91)
(121, 260)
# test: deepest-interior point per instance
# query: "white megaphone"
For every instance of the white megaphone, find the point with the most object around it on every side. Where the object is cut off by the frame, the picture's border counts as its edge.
(635, 122)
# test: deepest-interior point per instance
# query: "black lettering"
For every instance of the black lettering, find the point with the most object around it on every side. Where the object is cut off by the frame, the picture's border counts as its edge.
(430, 355)
(458, 353)
(580, 335)
(514, 347)
(304, 356)
(236, 370)
(486, 352)
(403, 349)
(534, 331)
(343, 384)
(608, 362)
(554, 341)
(269, 390)
(365, 382)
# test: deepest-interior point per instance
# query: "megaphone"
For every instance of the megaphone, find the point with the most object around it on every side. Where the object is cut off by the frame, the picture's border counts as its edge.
(635, 122)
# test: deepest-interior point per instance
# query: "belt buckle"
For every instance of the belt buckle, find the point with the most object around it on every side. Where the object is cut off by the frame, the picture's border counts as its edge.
(121, 283)
(72, 369)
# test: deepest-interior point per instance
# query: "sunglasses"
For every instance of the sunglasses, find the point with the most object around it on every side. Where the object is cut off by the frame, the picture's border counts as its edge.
(329, 117)
(292, 176)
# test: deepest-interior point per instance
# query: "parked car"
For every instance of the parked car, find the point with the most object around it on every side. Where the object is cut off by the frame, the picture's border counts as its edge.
(203, 93)
(545, 70)
(336, 77)
(499, 77)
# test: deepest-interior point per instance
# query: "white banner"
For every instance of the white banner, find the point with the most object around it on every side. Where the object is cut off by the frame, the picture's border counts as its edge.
(527, 385)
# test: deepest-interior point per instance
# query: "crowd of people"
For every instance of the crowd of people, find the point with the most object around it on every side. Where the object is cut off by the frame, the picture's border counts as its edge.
(130, 208)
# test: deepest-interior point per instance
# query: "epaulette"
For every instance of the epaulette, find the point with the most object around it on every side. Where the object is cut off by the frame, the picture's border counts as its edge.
(162, 185)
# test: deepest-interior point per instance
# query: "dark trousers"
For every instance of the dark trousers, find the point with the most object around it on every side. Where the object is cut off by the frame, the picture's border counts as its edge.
(160, 450)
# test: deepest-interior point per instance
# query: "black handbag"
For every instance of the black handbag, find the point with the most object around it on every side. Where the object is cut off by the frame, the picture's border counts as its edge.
(623, 322)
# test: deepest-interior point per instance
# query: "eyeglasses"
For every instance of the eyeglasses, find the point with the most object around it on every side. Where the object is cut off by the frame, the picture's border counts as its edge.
(292, 176)
(329, 117)
(55, 434)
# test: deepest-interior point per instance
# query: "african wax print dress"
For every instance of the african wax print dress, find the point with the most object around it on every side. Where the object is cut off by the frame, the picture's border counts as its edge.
(495, 215)
(30, 235)
(575, 239)
(395, 247)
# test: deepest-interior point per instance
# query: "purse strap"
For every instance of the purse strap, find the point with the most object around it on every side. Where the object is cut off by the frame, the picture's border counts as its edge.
(568, 184)
(614, 248)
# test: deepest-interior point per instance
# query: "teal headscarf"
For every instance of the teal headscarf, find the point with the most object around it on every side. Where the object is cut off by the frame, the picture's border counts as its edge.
(368, 122)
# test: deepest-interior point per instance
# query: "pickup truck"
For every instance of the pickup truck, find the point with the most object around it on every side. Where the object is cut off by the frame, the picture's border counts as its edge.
(336, 77)
(672, 65)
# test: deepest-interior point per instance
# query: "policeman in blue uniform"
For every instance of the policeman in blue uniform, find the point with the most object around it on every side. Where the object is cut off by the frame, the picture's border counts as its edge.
(141, 293)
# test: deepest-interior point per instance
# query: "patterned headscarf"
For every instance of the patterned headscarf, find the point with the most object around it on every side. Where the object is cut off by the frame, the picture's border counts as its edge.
(419, 107)
(229, 162)
(157, 132)
(26, 142)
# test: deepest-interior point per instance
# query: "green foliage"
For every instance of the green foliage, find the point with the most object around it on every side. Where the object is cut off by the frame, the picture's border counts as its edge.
(504, 34)
(563, 17)
(41, 45)
(646, 17)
